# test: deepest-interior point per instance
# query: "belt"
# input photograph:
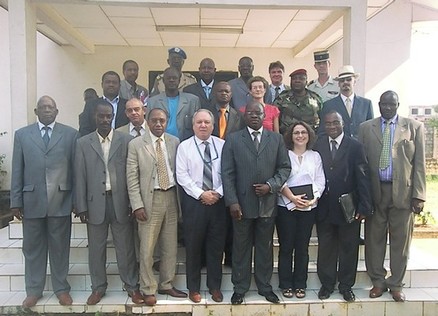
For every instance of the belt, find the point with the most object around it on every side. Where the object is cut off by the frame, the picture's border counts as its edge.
(162, 190)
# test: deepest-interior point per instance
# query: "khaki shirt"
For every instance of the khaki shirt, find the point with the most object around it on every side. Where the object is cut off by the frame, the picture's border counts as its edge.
(186, 80)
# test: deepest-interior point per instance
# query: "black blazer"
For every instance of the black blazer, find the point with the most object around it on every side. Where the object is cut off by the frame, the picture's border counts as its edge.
(234, 122)
(196, 89)
(87, 122)
(348, 172)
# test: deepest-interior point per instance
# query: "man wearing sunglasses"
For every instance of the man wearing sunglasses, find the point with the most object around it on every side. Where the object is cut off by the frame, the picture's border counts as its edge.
(353, 108)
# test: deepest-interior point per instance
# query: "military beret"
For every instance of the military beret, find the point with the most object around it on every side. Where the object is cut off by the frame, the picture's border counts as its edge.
(321, 56)
(298, 72)
(178, 51)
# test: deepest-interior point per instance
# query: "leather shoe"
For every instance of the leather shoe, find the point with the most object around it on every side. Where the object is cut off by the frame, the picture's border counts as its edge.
(64, 299)
(195, 297)
(149, 300)
(95, 298)
(173, 292)
(324, 293)
(217, 296)
(137, 297)
(398, 296)
(376, 292)
(348, 295)
(271, 297)
(237, 298)
(30, 301)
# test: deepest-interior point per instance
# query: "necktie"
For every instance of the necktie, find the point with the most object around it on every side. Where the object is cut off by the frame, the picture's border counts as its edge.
(137, 129)
(348, 106)
(46, 137)
(207, 181)
(163, 177)
(334, 148)
(385, 154)
(222, 123)
(256, 140)
(207, 91)
(277, 92)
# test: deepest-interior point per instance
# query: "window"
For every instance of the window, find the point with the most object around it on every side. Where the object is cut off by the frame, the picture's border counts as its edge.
(414, 111)
(427, 111)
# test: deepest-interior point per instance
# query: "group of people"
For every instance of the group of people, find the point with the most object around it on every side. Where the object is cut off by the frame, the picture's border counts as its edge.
(141, 164)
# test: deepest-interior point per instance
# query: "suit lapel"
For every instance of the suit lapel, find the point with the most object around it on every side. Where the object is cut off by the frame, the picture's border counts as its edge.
(400, 128)
(149, 145)
(36, 137)
(342, 149)
(56, 137)
(182, 103)
(248, 141)
(170, 152)
(265, 139)
(115, 144)
(376, 129)
(95, 144)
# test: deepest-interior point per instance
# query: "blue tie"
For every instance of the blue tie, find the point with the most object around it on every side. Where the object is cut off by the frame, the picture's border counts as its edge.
(207, 91)
(46, 137)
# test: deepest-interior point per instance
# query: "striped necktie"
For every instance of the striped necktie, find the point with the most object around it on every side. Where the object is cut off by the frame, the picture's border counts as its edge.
(207, 180)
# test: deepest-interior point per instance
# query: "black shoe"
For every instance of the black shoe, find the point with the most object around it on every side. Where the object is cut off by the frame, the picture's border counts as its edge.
(237, 298)
(324, 293)
(348, 295)
(271, 297)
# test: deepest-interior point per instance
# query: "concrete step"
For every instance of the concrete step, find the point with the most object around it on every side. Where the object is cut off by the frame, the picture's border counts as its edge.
(419, 302)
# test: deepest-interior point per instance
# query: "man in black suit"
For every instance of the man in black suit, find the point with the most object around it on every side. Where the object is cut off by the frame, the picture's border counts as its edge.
(204, 88)
(252, 198)
(346, 171)
(353, 108)
(111, 88)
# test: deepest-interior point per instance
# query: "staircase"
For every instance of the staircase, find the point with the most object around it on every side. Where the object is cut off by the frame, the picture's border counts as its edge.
(421, 287)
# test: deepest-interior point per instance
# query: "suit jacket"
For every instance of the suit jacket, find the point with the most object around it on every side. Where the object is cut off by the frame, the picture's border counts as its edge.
(90, 177)
(270, 164)
(362, 111)
(87, 121)
(408, 160)
(234, 121)
(188, 105)
(196, 89)
(141, 170)
(42, 178)
(348, 172)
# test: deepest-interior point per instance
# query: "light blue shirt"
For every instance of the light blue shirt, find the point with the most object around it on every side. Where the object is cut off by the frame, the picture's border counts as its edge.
(385, 175)
(115, 103)
(172, 126)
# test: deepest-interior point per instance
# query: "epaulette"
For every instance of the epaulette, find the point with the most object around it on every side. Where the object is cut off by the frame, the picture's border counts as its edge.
(188, 74)
(311, 82)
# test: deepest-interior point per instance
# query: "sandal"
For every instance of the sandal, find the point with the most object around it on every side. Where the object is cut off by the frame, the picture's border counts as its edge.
(300, 293)
(288, 293)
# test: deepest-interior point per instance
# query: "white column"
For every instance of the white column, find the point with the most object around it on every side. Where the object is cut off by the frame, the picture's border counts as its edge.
(355, 25)
(22, 41)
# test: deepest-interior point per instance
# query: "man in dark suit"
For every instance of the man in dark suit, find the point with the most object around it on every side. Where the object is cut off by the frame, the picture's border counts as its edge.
(353, 108)
(111, 88)
(252, 198)
(203, 89)
(180, 105)
(101, 198)
(41, 195)
(398, 191)
(346, 171)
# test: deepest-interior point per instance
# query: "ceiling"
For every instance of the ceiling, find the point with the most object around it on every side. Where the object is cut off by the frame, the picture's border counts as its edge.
(85, 24)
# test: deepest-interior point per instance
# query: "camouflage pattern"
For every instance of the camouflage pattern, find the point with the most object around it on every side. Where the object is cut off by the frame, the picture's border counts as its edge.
(293, 109)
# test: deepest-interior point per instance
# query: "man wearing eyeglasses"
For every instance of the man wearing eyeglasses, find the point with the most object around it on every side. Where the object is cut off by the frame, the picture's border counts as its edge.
(353, 108)
(198, 171)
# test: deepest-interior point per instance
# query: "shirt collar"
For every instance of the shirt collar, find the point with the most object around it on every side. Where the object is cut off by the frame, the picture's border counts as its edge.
(227, 108)
(393, 120)
(250, 130)
(109, 137)
(203, 84)
(155, 138)
(117, 98)
(200, 141)
(344, 98)
(41, 125)
(337, 139)
(131, 126)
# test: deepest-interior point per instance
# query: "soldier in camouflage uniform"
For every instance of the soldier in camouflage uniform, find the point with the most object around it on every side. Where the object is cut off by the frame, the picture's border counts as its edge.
(298, 103)
(176, 60)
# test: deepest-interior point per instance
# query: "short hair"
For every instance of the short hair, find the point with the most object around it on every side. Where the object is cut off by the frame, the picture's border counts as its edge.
(289, 132)
(90, 91)
(245, 58)
(172, 68)
(159, 109)
(110, 73)
(40, 100)
(258, 78)
(389, 92)
(104, 103)
(129, 61)
(203, 110)
(276, 64)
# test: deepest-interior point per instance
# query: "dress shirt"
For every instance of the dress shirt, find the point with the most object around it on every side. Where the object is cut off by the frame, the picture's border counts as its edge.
(169, 170)
(172, 123)
(210, 86)
(106, 145)
(115, 103)
(309, 171)
(344, 99)
(272, 88)
(43, 131)
(328, 91)
(190, 165)
(337, 139)
(259, 136)
(133, 132)
(385, 175)
(227, 111)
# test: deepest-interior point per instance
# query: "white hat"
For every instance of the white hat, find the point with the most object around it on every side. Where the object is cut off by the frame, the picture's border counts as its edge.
(345, 72)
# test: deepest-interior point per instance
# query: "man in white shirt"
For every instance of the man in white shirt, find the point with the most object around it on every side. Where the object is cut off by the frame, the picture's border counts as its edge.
(324, 85)
(276, 71)
(198, 169)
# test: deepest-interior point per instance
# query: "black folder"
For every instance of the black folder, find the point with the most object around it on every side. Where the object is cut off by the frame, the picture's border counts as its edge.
(306, 189)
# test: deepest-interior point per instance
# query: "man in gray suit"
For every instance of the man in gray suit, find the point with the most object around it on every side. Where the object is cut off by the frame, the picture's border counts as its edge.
(353, 108)
(397, 173)
(241, 97)
(251, 197)
(155, 205)
(180, 105)
(101, 198)
(41, 195)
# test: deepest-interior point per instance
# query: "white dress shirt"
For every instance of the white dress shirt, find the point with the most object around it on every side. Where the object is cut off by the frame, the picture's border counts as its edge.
(106, 145)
